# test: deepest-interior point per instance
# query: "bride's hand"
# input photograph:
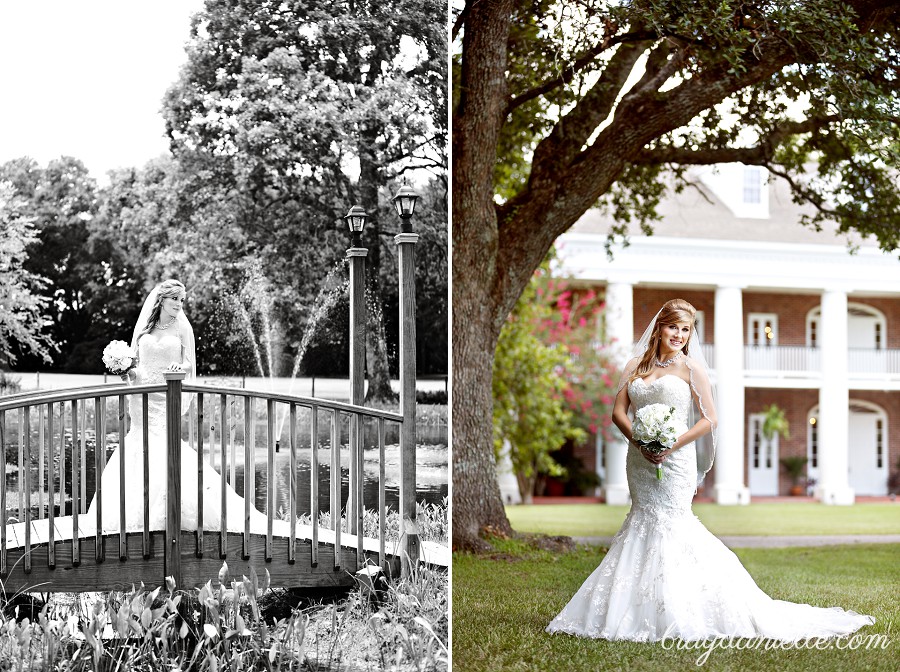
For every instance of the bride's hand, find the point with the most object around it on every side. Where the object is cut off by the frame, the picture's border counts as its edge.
(654, 458)
(657, 458)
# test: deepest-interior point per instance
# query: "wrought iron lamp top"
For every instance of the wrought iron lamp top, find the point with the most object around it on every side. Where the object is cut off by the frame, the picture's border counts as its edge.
(405, 203)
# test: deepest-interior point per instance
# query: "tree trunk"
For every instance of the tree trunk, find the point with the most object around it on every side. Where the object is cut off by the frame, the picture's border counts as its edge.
(476, 494)
(526, 488)
(377, 371)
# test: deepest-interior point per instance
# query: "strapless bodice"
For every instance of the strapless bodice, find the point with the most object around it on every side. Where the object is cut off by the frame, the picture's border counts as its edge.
(156, 354)
(668, 389)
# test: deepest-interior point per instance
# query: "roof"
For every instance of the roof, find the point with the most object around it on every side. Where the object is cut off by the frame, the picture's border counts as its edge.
(701, 211)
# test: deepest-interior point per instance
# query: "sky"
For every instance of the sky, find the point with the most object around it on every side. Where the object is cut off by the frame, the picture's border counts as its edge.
(86, 78)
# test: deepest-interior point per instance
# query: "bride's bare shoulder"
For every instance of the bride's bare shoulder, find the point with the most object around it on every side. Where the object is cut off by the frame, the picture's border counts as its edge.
(694, 364)
(695, 371)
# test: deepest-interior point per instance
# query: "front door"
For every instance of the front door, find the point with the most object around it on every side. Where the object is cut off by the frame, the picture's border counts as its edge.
(867, 453)
(763, 472)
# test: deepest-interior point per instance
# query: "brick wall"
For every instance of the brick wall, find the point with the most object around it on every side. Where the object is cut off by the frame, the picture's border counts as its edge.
(796, 404)
(791, 310)
(647, 303)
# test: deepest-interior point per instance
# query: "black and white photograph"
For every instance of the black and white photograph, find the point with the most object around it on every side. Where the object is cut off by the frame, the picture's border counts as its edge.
(224, 335)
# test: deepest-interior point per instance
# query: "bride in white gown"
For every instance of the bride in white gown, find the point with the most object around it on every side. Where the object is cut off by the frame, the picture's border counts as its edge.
(164, 341)
(665, 574)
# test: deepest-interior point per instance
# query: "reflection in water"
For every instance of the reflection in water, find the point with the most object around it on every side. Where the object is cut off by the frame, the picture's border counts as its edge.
(431, 477)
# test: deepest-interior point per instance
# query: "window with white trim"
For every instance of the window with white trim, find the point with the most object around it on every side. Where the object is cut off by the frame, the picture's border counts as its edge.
(752, 185)
(814, 442)
(762, 329)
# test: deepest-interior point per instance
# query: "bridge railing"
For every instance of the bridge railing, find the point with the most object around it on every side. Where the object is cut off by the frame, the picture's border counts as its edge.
(58, 477)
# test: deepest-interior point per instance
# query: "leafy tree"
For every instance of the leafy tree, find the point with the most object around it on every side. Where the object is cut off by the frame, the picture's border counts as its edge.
(531, 417)
(23, 318)
(281, 99)
(551, 379)
(559, 107)
(571, 323)
(61, 200)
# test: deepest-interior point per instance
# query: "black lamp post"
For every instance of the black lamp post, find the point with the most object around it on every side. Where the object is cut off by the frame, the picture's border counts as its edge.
(356, 222)
(405, 204)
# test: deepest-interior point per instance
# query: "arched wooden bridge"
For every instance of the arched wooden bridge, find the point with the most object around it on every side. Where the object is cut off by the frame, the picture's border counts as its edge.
(52, 546)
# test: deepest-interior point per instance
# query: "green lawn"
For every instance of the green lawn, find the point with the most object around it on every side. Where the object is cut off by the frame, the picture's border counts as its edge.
(502, 603)
(806, 518)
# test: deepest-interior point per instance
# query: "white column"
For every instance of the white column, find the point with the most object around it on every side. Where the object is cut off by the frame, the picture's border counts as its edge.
(730, 487)
(620, 329)
(506, 479)
(834, 402)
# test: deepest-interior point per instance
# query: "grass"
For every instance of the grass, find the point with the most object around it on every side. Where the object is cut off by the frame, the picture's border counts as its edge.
(503, 601)
(802, 518)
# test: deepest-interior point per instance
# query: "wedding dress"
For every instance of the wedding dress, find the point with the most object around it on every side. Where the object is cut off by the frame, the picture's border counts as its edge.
(155, 354)
(666, 575)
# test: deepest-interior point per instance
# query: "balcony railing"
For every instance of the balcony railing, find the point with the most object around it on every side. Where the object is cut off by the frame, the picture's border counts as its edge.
(781, 359)
(797, 359)
(864, 360)
(802, 361)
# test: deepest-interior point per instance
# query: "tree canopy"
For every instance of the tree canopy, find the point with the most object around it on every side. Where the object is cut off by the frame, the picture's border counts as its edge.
(559, 107)
(22, 307)
(297, 110)
(285, 115)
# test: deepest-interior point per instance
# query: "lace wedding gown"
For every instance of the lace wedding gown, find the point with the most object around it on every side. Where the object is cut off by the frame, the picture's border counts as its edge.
(666, 575)
(155, 355)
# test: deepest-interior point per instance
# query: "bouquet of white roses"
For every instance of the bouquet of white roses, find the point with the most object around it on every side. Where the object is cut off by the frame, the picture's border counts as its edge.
(656, 429)
(119, 357)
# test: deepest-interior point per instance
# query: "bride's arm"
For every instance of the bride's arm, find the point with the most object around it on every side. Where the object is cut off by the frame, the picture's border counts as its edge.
(620, 413)
(620, 410)
(185, 364)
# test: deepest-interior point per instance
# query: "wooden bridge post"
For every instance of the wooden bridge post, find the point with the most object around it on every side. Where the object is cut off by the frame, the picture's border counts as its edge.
(172, 553)
(357, 257)
(406, 241)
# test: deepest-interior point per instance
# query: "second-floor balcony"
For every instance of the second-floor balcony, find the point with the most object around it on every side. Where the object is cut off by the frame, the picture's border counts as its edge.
(800, 361)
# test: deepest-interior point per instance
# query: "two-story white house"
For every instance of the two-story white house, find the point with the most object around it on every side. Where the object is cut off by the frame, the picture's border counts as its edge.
(787, 316)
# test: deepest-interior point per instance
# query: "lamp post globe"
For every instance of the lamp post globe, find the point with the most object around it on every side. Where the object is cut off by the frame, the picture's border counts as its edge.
(356, 221)
(405, 204)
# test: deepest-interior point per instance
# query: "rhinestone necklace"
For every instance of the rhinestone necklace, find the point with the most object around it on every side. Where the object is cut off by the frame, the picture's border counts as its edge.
(669, 361)
(168, 324)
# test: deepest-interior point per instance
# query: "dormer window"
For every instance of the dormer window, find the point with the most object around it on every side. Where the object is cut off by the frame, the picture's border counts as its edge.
(752, 185)
(742, 189)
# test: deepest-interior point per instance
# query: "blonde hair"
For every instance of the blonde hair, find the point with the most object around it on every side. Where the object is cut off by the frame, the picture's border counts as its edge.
(673, 312)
